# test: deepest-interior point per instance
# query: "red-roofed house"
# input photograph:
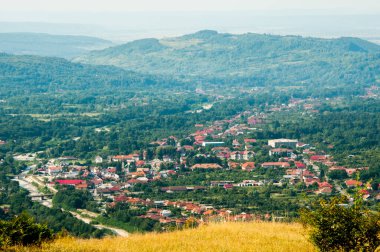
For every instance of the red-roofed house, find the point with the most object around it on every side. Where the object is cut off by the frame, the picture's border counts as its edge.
(248, 166)
(275, 164)
(353, 183)
(319, 158)
(111, 169)
(140, 163)
(249, 140)
(54, 170)
(300, 165)
(72, 182)
(325, 184)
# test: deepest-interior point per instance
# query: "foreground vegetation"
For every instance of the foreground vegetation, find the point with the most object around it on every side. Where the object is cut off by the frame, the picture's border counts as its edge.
(212, 237)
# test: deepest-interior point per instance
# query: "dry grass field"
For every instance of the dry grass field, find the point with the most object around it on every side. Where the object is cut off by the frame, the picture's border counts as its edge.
(212, 237)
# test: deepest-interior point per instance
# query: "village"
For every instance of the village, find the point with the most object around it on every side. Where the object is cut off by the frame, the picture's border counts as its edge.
(221, 146)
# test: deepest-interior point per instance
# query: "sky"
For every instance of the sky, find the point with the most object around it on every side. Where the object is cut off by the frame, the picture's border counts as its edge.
(363, 6)
(125, 20)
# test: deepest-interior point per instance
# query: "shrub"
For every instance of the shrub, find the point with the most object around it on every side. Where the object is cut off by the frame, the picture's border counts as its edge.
(335, 226)
(22, 230)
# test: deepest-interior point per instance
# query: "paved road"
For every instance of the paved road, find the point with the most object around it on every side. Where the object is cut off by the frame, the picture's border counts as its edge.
(117, 231)
(33, 190)
(26, 184)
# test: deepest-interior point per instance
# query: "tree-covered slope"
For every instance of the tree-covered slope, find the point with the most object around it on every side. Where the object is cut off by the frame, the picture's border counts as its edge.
(21, 75)
(49, 45)
(249, 58)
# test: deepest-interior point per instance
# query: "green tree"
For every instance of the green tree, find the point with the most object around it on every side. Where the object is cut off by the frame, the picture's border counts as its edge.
(336, 226)
(22, 230)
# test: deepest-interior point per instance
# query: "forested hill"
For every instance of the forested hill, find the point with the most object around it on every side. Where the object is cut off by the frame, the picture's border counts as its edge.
(249, 58)
(50, 45)
(21, 75)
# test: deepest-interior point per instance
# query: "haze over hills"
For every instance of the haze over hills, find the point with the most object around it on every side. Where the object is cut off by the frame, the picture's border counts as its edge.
(252, 58)
(50, 45)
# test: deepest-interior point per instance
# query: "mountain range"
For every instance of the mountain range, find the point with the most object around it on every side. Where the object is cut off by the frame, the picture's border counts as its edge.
(258, 59)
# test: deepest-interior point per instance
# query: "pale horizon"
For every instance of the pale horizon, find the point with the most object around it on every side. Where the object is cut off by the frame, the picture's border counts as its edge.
(127, 20)
(353, 6)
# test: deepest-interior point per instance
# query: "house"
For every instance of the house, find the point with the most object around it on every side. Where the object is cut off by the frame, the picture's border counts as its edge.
(136, 181)
(302, 145)
(156, 164)
(98, 160)
(377, 197)
(111, 176)
(275, 164)
(228, 186)
(248, 166)
(111, 170)
(188, 148)
(126, 158)
(300, 165)
(324, 190)
(248, 183)
(353, 183)
(82, 186)
(223, 155)
(236, 144)
(233, 165)
(140, 163)
(249, 140)
(2, 142)
(199, 139)
(72, 182)
(247, 155)
(350, 171)
(280, 152)
(236, 155)
(277, 143)
(182, 188)
(204, 144)
(319, 158)
(325, 184)
(137, 174)
(206, 166)
(141, 169)
(54, 170)
(294, 172)
(220, 183)
(97, 181)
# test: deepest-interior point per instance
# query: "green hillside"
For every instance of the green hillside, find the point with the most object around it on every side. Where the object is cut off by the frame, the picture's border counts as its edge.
(249, 58)
(20, 75)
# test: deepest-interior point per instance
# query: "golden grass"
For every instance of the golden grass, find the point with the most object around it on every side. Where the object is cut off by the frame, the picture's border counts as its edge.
(213, 237)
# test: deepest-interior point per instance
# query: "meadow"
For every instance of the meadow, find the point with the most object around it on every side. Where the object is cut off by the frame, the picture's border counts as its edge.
(254, 236)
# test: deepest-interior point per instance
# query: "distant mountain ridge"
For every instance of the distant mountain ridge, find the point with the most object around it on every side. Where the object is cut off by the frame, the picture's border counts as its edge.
(258, 57)
(42, 44)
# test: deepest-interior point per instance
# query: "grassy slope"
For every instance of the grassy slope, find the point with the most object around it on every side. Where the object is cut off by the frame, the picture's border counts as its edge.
(213, 237)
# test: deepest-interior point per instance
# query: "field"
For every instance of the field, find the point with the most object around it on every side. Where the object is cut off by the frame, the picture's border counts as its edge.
(212, 237)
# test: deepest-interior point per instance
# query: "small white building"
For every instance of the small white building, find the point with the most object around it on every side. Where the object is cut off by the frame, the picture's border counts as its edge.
(98, 160)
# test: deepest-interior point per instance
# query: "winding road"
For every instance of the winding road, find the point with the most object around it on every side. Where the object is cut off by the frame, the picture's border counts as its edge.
(27, 184)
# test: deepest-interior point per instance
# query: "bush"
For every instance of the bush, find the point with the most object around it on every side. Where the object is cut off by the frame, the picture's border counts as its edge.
(338, 174)
(22, 230)
(335, 226)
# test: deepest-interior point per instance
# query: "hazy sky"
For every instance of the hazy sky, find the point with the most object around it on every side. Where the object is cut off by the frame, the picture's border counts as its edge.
(363, 6)
(122, 20)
